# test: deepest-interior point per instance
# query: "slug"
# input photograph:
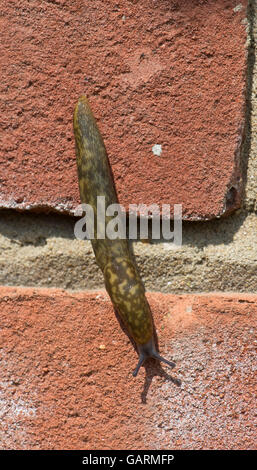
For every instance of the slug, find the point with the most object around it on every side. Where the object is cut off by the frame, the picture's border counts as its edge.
(122, 280)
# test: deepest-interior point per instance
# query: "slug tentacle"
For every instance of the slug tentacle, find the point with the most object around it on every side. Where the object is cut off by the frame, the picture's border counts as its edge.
(122, 280)
(148, 350)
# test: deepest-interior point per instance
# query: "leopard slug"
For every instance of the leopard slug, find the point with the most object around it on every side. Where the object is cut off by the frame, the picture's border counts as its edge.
(122, 280)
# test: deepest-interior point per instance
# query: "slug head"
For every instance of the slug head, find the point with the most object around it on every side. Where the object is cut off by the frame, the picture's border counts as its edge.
(148, 350)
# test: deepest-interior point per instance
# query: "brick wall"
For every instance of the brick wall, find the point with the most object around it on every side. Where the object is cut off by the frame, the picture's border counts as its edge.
(178, 75)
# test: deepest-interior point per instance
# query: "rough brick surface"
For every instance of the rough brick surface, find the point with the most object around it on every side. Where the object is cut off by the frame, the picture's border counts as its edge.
(66, 378)
(169, 73)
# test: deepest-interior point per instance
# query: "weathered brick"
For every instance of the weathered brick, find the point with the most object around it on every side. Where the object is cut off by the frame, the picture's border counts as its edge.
(67, 383)
(157, 73)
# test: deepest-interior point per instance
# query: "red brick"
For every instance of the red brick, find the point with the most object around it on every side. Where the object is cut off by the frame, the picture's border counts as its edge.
(66, 379)
(156, 72)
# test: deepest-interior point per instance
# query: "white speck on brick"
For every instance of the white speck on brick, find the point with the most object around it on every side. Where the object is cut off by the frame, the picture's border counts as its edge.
(239, 7)
(157, 150)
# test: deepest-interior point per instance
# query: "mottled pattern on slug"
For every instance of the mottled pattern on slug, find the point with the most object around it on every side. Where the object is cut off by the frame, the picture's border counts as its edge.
(113, 256)
(95, 177)
(127, 293)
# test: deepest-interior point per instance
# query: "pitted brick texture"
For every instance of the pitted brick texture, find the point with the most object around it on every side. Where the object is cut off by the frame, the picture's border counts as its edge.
(66, 380)
(158, 74)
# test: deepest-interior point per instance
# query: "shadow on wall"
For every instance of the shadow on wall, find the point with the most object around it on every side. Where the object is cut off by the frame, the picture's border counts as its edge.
(35, 229)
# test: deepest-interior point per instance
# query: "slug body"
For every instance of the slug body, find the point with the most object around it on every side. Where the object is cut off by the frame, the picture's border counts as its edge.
(113, 256)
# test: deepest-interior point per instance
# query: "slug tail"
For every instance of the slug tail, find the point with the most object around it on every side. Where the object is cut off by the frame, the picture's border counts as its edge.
(148, 350)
